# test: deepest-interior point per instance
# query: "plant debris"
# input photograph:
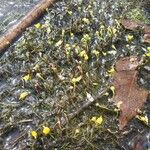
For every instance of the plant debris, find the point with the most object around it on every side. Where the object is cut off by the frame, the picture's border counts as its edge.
(129, 96)
(134, 25)
(130, 24)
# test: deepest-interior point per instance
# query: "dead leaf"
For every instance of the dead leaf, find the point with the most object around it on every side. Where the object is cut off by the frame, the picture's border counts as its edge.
(146, 29)
(147, 34)
(133, 25)
(130, 24)
(127, 90)
(147, 38)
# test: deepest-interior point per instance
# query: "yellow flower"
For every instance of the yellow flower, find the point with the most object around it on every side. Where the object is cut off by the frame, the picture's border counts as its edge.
(86, 20)
(23, 95)
(111, 71)
(77, 131)
(95, 52)
(70, 12)
(46, 130)
(84, 55)
(27, 77)
(144, 119)
(106, 94)
(99, 121)
(38, 25)
(130, 37)
(113, 46)
(119, 104)
(34, 134)
(77, 79)
(104, 53)
(85, 38)
(114, 30)
(148, 48)
(113, 89)
(93, 119)
(147, 54)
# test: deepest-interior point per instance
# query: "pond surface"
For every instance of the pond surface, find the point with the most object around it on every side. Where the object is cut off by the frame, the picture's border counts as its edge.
(12, 10)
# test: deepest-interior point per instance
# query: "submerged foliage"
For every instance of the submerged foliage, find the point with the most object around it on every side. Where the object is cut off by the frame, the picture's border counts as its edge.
(58, 65)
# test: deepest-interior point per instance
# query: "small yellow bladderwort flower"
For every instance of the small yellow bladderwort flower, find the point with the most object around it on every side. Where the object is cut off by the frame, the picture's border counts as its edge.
(34, 134)
(77, 131)
(98, 121)
(46, 130)
(26, 77)
(23, 95)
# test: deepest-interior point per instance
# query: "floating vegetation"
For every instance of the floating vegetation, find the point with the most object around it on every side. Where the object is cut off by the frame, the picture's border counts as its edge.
(57, 68)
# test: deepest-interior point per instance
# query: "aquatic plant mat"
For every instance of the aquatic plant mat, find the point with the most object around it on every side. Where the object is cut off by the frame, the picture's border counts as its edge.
(55, 81)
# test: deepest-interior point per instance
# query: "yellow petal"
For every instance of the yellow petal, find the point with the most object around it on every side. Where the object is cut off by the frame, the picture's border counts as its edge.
(86, 20)
(114, 30)
(112, 89)
(130, 37)
(95, 52)
(147, 54)
(36, 67)
(104, 53)
(46, 130)
(75, 80)
(38, 25)
(27, 77)
(113, 46)
(144, 119)
(99, 120)
(148, 48)
(77, 131)
(34, 134)
(111, 71)
(23, 95)
(106, 94)
(93, 119)
(86, 57)
(69, 12)
(82, 53)
(97, 104)
(119, 104)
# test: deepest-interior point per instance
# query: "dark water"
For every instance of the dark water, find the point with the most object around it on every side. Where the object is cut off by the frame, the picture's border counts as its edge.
(12, 10)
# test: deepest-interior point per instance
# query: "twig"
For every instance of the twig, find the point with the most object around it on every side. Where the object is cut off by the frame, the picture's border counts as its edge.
(9, 37)
(82, 108)
(86, 104)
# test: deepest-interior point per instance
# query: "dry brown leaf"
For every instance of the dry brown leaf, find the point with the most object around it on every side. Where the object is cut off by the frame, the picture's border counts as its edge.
(147, 38)
(146, 29)
(147, 34)
(133, 25)
(128, 94)
(130, 24)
